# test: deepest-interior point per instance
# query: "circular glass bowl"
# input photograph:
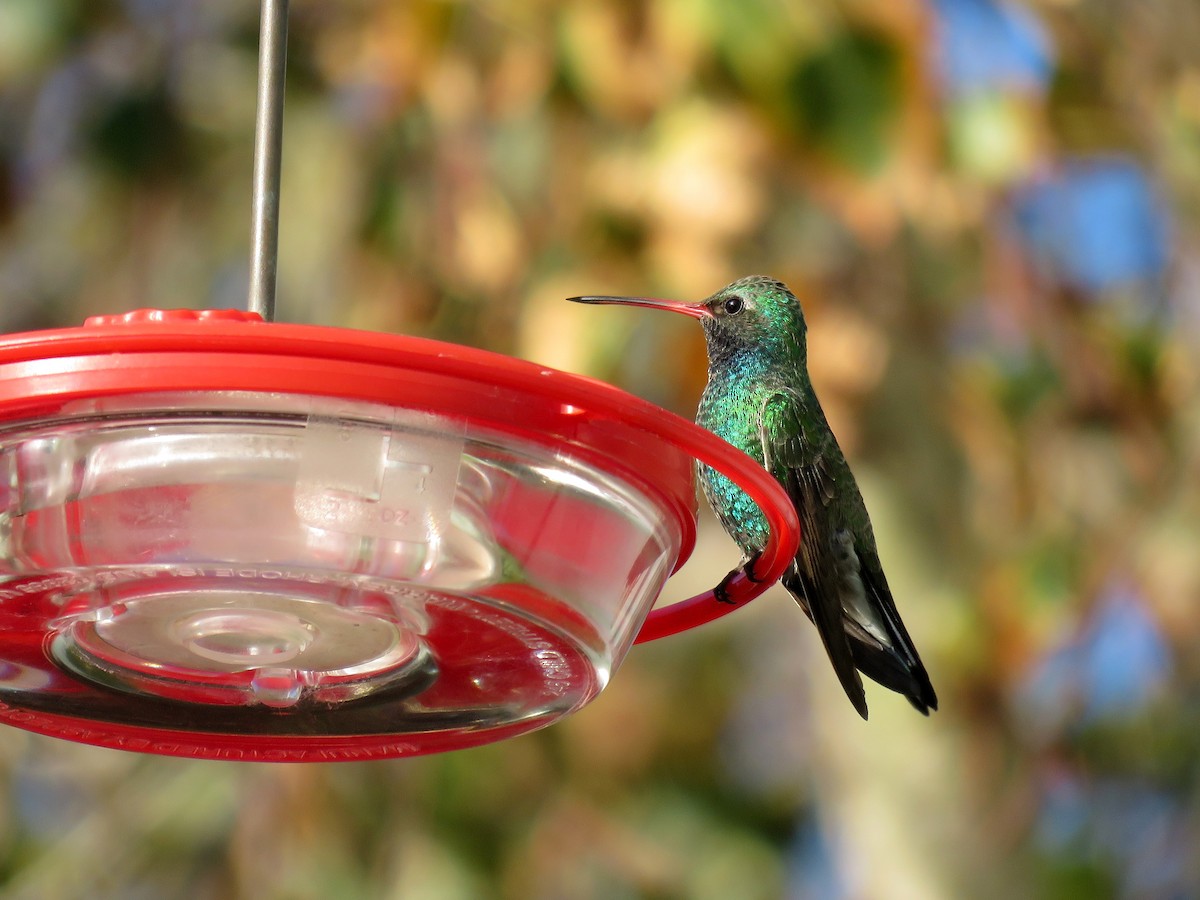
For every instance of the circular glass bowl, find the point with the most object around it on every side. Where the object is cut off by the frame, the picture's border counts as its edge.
(222, 538)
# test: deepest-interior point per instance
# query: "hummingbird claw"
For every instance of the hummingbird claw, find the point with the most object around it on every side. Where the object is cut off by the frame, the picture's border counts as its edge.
(748, 567)
(721, 591)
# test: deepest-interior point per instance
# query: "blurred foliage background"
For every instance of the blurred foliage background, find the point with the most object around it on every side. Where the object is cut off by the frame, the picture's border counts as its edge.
(992, 212)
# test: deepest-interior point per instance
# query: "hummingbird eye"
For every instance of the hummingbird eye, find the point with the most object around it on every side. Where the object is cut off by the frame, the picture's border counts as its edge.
(733, 305)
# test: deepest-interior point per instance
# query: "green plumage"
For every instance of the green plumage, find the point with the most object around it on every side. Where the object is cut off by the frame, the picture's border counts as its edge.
(759, 398)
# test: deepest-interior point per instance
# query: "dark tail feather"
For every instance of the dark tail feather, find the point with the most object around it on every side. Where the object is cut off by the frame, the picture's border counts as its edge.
(897, 668)
(828, 619)
(891, 671)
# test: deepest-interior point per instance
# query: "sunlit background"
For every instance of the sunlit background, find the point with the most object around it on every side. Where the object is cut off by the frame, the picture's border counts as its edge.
(992, 213)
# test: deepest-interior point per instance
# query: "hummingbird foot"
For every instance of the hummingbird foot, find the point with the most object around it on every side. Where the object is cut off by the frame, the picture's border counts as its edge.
(748, 567)
(721, 591)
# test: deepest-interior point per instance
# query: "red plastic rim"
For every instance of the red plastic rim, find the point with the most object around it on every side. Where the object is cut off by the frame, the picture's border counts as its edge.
(223, 350)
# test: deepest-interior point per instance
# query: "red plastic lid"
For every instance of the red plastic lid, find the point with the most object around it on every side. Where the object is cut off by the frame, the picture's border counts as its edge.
(230, 350)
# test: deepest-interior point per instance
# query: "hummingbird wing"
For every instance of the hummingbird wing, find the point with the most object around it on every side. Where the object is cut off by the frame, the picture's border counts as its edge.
(802, 470)
(837, 576)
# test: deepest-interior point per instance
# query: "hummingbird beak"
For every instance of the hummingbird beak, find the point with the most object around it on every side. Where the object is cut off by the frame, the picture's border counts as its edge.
(695, 310)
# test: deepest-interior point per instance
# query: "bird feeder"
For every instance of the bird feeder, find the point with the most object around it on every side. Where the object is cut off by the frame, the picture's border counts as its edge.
(226, 537)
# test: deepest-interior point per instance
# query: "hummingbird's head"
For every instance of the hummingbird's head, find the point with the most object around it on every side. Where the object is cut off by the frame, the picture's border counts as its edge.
(758, 315)
(755, 315)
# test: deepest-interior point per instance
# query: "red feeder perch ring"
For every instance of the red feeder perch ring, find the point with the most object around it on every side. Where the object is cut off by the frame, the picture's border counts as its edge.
(226, 538)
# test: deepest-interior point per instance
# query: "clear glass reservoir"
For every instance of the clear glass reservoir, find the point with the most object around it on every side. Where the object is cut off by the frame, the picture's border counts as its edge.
(284, 565)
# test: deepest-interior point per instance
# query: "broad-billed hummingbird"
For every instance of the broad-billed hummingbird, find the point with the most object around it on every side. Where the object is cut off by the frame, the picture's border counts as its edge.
(760, 399)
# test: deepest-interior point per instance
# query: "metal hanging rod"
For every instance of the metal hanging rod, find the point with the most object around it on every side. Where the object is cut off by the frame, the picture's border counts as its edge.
(268, 152)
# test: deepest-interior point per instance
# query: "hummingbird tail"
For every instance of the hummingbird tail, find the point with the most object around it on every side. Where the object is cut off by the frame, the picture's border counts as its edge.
(896, 666)
(852, 649)
(891, 670)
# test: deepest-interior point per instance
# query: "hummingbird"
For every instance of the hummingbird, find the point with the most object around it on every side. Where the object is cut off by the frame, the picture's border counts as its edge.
(760, 399)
